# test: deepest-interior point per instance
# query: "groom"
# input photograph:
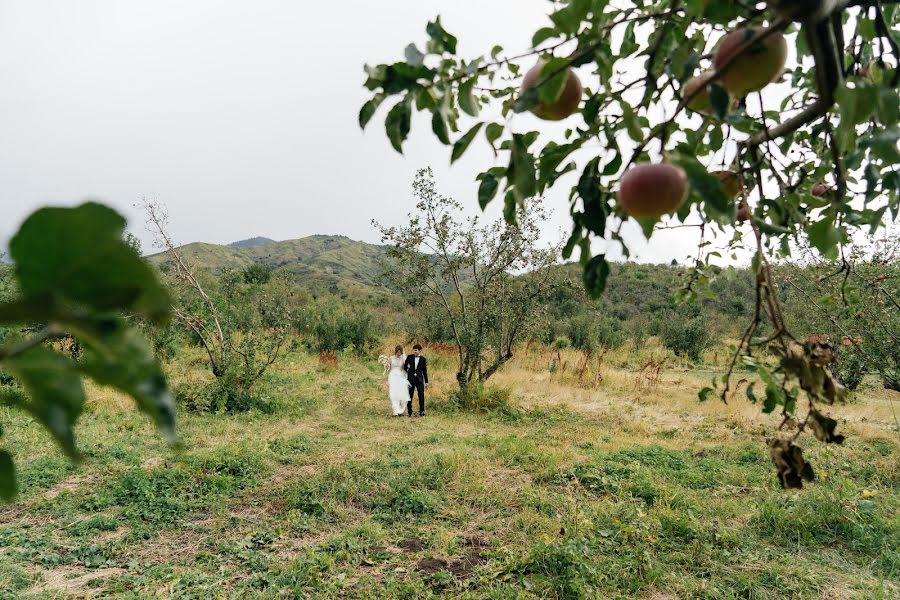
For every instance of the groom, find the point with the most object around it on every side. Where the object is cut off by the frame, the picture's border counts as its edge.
(417, 372)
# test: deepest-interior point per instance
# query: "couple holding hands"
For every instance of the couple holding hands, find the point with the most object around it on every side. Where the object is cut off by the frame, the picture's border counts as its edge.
(406, 375)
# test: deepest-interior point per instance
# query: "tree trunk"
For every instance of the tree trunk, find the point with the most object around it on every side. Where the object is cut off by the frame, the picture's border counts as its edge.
(496, 366)
(890, 383)
(462, 381)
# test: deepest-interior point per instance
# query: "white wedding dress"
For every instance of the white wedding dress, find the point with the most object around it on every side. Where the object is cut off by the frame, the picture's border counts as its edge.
(398, 385)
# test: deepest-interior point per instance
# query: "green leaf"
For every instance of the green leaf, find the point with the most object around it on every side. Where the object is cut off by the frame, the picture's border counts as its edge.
(825, 237)
(521, 171)
(770, 228)
(596, 272)
(526, 100)
(467, 101)
(426, 100)
(80, 255)
(647, 225)
(631, 122)
(552, 81)
(375, 77)
(118, 356)
(774, 393)
(883, 144)
(594, 217)
(542, 35)
(509, 207)
(492, 132)
(400, 77)
(708, 187)
(591, 109)
(34, 310)
(550, 158)
(397, 124)
(441, 41)
(569, 18)
(866, 29)
(719, 100)
(462, 144)
(414, 56)
(8, 485)
(771, 401)
(573, 240)
(56, 397)
(704, 393)
(487, 189)
(888, 106)
(612, 167)
(439, 127)
(716, 138)
(589, 183)
(368, 110)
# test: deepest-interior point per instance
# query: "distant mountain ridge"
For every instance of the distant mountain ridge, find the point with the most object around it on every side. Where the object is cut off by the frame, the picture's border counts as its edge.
(335, 262)
(250, 242)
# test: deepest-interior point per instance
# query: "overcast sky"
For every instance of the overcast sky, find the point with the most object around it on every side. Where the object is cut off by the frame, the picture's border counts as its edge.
(239, 115)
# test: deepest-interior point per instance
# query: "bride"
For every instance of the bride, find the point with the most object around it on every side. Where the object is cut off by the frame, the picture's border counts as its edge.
(398, 384)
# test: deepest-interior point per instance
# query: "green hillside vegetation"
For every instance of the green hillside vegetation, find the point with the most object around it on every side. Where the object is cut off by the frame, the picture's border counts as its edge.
(339, 285)
(250, 242)
(333, 270)
(321, 262)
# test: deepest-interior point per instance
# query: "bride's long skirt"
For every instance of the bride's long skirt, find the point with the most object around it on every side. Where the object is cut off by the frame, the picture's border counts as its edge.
(398, 391)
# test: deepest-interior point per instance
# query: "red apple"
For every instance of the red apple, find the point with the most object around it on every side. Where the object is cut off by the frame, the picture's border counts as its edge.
(743, 211)
(652, 190)
(820, 189)
(565, 105)
(756, 67)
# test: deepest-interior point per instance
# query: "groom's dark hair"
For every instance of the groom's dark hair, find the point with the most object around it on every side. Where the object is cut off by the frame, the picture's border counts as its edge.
(417, 347)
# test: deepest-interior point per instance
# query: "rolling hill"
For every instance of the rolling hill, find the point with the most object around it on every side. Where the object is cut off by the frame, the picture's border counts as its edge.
(250, 242)
(333, 262)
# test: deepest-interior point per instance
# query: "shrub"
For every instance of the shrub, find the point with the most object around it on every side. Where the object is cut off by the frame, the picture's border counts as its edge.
(851, 367)
(165, 339)
(581, 332)
(685, 336)
(561, 343)
(223, 394)
(609, 332)
(257, 273)
(477, 397)
(637, 331)
(334, 330)
(589, 331)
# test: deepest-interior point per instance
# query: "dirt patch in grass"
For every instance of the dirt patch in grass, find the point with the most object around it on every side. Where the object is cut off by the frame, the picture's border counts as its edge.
(429, 566)
(70, 485)
(169, 548)
(411, 545)
(462, 567)
(472, 557)
(74, 581)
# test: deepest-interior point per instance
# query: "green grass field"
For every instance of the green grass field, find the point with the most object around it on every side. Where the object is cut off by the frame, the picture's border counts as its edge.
(612, 488)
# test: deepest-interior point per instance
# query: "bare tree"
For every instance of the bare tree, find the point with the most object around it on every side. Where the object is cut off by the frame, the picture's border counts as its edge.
(206, 326)
(242, 327)
(489, 279)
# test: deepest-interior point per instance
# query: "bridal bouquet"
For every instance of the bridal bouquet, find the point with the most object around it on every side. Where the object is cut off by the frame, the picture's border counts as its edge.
(385, 362)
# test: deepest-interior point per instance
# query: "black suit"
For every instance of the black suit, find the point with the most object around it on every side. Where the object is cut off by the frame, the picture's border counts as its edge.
(418, 377)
